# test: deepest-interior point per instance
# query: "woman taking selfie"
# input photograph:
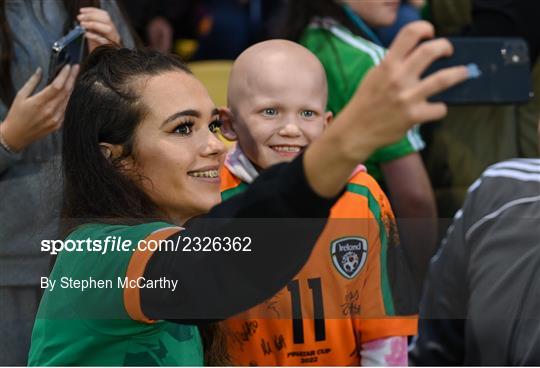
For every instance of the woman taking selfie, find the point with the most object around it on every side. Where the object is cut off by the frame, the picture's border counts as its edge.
(31, 114)
(141, 158)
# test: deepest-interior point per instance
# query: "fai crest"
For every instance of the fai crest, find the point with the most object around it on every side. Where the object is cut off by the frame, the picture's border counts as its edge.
(349, 255)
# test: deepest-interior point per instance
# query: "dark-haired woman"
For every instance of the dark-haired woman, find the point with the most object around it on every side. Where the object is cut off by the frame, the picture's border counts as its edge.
(340, 33)
(30, 146)
(140, 163)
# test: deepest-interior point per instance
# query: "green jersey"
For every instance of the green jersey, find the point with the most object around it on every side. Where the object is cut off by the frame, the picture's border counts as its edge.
(102, 324)
(346, 59)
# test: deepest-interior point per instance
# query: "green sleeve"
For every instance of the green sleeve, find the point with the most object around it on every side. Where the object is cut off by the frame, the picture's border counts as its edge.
(412, 142)
(98, 307)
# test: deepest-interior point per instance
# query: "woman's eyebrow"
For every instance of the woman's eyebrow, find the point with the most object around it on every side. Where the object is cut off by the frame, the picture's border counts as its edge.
(179, 114)
(189, 112)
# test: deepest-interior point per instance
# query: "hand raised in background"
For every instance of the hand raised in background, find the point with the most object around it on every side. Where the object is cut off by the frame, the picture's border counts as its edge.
(100, 30)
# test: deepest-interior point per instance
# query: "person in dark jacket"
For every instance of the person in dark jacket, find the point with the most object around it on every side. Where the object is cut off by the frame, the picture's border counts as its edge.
(482, 296)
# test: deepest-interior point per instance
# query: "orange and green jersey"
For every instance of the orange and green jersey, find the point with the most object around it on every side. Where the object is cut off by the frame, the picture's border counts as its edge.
(345, 295)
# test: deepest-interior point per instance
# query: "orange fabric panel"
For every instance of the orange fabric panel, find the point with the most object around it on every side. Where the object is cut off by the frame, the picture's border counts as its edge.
(137, 265)
(228, 180)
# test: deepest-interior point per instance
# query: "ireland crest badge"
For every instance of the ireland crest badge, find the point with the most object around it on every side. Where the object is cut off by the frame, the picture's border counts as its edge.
(349, 255)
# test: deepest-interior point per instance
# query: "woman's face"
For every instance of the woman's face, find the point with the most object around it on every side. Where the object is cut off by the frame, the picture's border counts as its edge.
(376, 13)
(176, 150)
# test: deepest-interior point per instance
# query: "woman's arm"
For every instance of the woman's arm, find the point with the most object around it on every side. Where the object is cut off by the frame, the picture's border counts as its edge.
(282, 216)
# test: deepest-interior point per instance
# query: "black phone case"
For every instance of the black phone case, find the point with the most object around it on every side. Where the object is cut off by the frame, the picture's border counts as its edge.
(67, 50)
(505, 75)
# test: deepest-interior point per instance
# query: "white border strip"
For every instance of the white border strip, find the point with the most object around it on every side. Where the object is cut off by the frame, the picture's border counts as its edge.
(496, 213)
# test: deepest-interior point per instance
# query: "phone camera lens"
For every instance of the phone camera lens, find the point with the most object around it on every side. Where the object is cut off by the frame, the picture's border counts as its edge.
(514, 53)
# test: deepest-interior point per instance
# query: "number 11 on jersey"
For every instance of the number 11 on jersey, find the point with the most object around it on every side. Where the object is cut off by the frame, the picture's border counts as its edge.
(318, 309)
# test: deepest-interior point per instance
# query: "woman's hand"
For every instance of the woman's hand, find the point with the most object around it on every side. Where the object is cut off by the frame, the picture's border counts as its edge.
(100, 30)
(33, 117)
(391, 99)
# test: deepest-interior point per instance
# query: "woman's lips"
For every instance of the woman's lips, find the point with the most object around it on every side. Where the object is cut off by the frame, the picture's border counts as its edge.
(208, 175)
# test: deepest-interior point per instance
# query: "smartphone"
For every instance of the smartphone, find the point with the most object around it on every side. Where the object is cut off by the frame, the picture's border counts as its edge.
(67, 50)
(500, 68)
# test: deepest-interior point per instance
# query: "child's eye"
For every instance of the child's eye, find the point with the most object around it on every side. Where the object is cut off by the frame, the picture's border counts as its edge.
(270, 112)
(307, 114)
(215, 125)
(184, 128)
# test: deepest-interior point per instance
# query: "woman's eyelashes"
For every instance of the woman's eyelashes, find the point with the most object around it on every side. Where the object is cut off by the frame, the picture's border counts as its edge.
(184, 128)
(215, 125)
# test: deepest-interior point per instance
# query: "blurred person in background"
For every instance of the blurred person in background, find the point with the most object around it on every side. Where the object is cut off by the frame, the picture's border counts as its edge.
(231, 26)
(31, 114)
(204, 29)
(341, 34)
(409, 11)
(160, 23)
(471, 138)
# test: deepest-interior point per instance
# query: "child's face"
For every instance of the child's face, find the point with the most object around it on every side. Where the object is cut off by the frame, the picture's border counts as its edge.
(281, 113)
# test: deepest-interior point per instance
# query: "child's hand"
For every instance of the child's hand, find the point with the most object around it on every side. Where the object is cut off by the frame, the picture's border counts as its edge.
(100, 30)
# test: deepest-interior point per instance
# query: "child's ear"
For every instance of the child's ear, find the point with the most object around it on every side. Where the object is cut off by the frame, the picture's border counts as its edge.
(227, 129)
(328, 118)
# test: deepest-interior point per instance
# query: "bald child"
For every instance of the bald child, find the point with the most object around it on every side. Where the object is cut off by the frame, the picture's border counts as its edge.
(341, 308)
